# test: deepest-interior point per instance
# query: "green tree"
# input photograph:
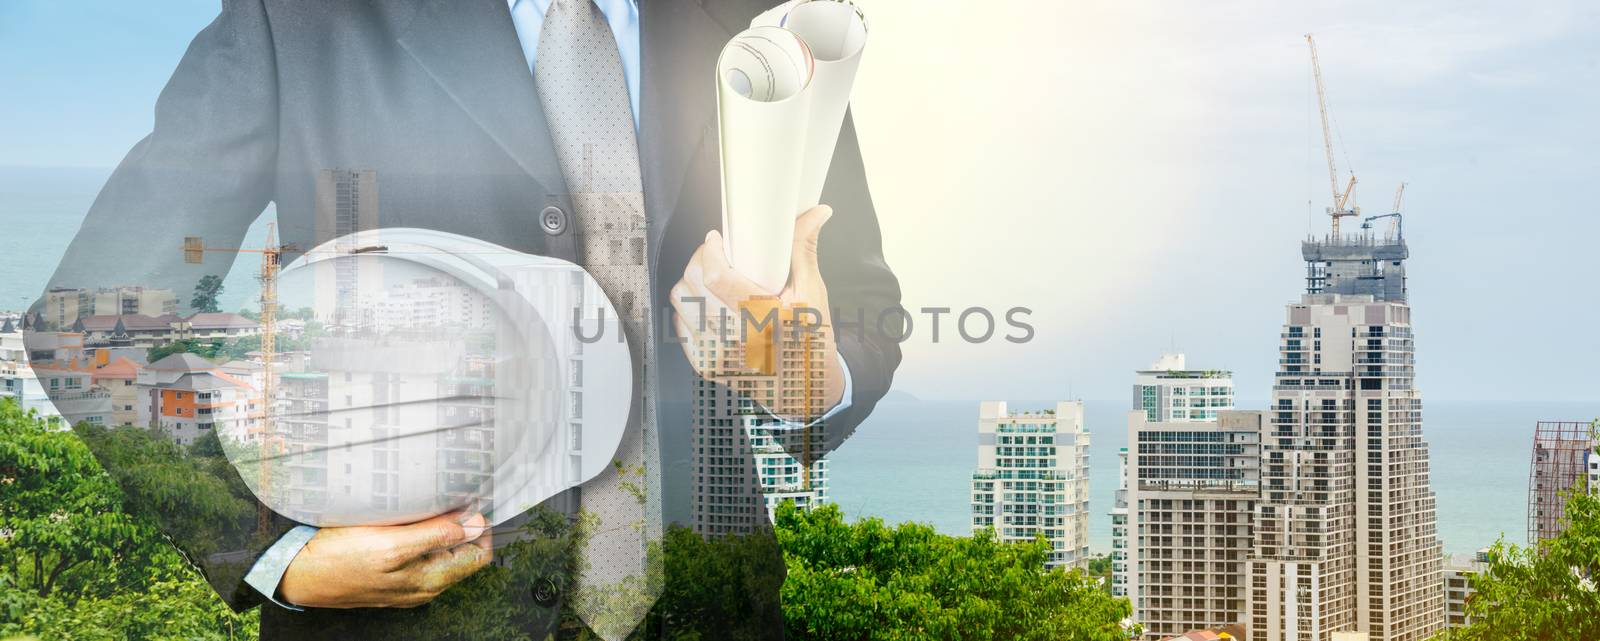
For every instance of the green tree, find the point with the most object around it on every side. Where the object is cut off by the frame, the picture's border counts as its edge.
(188, 345)
(193, 494)
(1541, 592)
(225, 350)
(206, 293)
(717, 587)
(77, 563)
(1100, 568)
(868, 581)
(60, 514)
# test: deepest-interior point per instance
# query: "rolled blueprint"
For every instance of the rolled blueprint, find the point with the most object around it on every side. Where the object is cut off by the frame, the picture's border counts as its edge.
(836, 33)
(762, 110)
(782, 90)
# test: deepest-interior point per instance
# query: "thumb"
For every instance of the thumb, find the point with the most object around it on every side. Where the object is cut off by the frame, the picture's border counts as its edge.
(803, 257)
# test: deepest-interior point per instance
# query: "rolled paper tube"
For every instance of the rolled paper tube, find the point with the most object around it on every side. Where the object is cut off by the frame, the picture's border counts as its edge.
(762, 112)
(836, 33)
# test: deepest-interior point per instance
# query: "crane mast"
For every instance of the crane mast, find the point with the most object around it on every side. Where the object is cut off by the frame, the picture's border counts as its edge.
(1394, 224)
(1341, 201)
(270, 441)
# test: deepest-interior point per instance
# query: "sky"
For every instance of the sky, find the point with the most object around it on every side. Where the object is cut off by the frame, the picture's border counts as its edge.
(1139, 174)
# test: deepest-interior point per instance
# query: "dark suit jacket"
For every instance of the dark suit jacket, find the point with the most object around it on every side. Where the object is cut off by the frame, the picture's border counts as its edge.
(436, 97)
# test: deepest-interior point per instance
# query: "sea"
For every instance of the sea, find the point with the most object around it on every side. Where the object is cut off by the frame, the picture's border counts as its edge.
(912, 460)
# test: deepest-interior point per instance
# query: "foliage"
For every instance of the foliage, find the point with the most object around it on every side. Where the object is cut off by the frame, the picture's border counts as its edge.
(171, 603)
(869, 581)
(79, 562)
(60, 515)
(187, 492)
(206, 293)
(83, 558)
(1100, 569)
(1540, 592)
(717, 587)
(299, 313)
(233, 349)
(206, 350)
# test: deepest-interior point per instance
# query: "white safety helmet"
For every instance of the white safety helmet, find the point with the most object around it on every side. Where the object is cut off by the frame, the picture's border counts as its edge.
(448, 373)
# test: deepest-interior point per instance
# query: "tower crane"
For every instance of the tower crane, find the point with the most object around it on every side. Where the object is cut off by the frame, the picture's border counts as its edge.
(1342, 205)
(194, 251)
(1396, 229)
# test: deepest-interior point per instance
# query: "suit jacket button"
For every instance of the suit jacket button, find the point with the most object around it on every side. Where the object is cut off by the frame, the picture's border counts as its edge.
(552, 220)
(545, 592)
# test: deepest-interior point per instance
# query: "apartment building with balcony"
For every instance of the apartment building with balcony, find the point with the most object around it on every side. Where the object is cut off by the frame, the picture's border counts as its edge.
(20, 384)
(1345, 537)
(119, 378)
(1032, 478)
(65, 305)
(1458, 572)
(1167, 391)
(749, 454)
(1182, 527)
(188, 397)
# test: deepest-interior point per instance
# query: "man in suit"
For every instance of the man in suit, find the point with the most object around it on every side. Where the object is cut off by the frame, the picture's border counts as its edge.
(445, 101)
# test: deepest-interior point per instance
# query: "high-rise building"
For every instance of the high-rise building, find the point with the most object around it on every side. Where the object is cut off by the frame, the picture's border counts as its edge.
(748, 459)
(1169, 392)
(1345, 529)
(1119, 528)
(346, 203)
(1164, 393)
(1033, 478)
(1186, 502)
(1566, 456)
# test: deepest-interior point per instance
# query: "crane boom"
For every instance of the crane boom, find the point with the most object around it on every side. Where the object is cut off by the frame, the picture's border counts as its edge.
(1341, 201)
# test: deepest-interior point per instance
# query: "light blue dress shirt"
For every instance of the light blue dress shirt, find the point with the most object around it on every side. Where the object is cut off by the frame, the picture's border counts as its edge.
(528, 18)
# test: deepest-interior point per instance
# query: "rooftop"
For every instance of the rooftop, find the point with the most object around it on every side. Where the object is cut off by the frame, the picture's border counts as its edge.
(133, 322)
(122, 367)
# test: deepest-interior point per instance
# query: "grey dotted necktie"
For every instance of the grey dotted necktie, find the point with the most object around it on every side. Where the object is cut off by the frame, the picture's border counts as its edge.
(585, 97)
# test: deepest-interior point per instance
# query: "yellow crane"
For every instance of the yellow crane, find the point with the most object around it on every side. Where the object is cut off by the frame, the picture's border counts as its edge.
(1342, 205)
(194, 251)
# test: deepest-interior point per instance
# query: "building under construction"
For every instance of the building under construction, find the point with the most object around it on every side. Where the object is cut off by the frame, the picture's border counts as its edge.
(1564, 458)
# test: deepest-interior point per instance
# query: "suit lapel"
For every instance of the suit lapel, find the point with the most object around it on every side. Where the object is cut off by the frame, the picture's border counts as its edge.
(679, 43)
(470, 48)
